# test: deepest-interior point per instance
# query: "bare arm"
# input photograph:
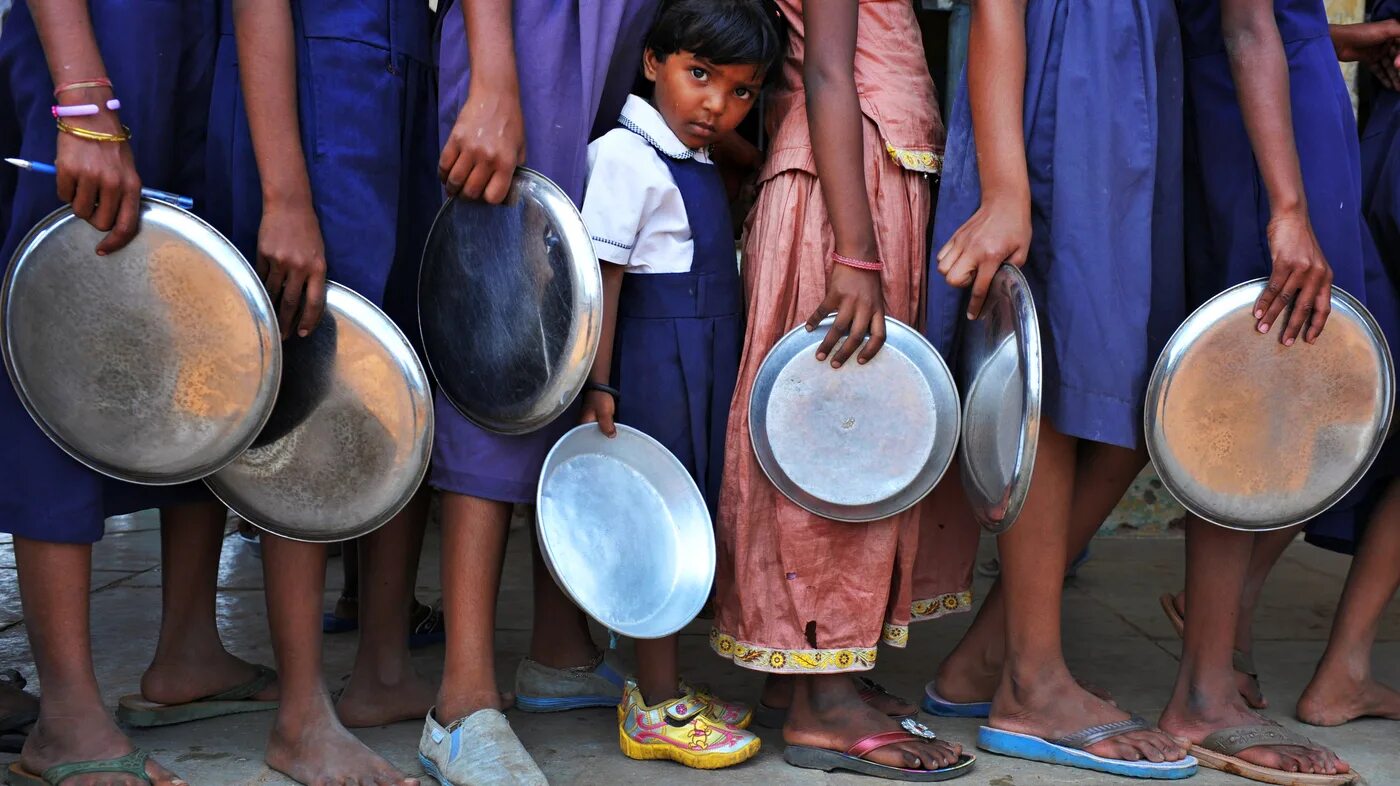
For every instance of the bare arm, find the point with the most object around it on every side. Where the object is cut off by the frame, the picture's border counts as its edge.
(487, 142)
(1000, 230)
(98, 179)
(597, 405)
(1260, 69)
(291, 251)
(833, 111)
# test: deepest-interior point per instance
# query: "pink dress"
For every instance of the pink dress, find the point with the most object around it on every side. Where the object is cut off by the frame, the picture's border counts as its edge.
(798, 593)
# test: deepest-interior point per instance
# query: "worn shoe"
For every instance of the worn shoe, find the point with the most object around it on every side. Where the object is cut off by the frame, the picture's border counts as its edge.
(480, 750)
(730, 713)
(679, 730)
(540, 688)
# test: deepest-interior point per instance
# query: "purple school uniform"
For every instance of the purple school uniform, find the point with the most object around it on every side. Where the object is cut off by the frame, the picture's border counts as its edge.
(1228, 208)
(1103, 151)
(577, 60)
(159, 57)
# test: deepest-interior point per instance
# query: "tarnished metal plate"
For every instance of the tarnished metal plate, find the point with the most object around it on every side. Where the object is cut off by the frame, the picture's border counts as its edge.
(625, 531)
(858, 443)
(1251, 435)
(999, 365)
(155, 364)
(350, 438)
(510, 304)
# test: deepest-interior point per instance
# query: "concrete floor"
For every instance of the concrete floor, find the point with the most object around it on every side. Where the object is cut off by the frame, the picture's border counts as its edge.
(1116, 637)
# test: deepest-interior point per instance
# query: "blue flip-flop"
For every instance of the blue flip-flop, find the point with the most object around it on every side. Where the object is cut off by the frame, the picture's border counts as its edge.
(934, 704)
(1069, 751)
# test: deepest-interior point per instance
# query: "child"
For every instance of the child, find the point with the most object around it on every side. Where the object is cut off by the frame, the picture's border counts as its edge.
(1273, 165)
(521, 82)
(1064, 159)
(322, 168)
(673, 316)
(855, 132)
(156, 57)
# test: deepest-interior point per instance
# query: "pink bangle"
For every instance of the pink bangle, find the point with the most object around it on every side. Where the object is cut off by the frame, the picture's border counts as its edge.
(858, 264)
(83, 110)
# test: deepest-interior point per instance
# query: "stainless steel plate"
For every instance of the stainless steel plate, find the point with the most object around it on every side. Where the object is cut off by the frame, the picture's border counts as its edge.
(1000, 370)
(510, 303)
(625, 531)
(349, 440)
(156, 364)
(1251, 435)
(859, 443)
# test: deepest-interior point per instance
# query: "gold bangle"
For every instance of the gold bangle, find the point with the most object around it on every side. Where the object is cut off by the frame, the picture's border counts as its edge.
(93, 136)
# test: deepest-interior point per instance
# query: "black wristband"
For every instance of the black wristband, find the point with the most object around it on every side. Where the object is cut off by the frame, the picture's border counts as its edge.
(601, 388)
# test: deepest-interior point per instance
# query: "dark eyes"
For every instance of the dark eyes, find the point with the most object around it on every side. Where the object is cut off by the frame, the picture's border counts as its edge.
(699, 73)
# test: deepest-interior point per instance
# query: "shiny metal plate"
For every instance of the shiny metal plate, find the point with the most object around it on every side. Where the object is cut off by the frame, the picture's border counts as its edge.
(1000, 371)
(510, 304)
(625, 531)
(858, 443)
(1251, 435)
(156, 364)
(349, 440)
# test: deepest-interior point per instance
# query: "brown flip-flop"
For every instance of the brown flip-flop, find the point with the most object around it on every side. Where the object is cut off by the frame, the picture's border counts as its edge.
(1218, 750)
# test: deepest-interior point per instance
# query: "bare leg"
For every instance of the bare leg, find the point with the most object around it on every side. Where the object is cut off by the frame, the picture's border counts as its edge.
(657, 673)
(383, 687)
(347, 606)
(560, 637)
(1342, 689)
(308, 744)
(1206, 698)
(190, 661)
(1037, 695)
(473, 549)
(73, 725)
(972, 671)
(827, 712)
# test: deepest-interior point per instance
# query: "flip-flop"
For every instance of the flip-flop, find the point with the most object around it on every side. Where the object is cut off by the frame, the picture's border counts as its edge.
(853, 759)
(770, 717)
(133, 764)
(136, 712)
(934, 704)
(1242, 661)
(429, 630)
(1217, 752)
(1069, 750)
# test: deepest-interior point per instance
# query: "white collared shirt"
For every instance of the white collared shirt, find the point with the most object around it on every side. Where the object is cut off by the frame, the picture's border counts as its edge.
(632, 206)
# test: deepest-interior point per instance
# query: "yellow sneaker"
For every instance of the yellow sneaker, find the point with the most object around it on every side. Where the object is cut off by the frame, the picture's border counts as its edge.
(681, 731)
(730, 713)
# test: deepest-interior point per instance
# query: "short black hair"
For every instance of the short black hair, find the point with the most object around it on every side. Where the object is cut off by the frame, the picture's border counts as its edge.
(723, 32)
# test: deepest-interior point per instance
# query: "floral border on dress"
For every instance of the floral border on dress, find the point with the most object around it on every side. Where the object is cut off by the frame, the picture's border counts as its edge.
(916, 160)
(792, 661)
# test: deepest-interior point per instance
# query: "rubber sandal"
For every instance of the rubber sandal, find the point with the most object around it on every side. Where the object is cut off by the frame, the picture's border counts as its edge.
(1217, 752)
(934, 704)
(1069, 751)
(136, 712)
(133, 764)
(769, 717)
(853, 760)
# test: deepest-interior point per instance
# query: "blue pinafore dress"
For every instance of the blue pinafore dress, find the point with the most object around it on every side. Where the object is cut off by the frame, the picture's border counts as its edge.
(159, 56)
(680, 336)
(1380, 162)
(1227, 205)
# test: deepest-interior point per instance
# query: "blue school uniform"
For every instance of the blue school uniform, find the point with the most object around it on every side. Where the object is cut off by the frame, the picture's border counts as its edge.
(365, 105)
(1102, 123)
(680, 336)
(577, 60)
(159, 58)
(1228, 210)
(1380, 162)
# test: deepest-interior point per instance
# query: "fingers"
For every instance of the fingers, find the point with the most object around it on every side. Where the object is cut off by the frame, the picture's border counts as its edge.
(1298, 317)
(814, 321)
(291, 300)
(67, 184)
(606, 423)
(477, 179)
(499, 186)
(109, 198)
(950, 253)
(838, 328)
(877, 338)
(980, 286)
(315, 304)
(446, 161)
(274, 278)
(456, 177)
(1277, 294)
(85, 198)
(128, 217)
(858, 327)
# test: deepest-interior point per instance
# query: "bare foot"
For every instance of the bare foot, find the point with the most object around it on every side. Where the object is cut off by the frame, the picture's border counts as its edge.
(777, 693)
(1054, 706)
(1333, 699)
(86, 737)
(194, 678)
(834, 717)
(967, 683)
(322, 753)
(1200, 716)
(367, 702)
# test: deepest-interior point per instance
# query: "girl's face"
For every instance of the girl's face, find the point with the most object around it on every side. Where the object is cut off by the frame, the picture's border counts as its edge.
(699, 100)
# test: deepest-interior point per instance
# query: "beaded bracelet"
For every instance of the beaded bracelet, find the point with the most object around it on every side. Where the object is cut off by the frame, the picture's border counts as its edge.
(83, 110)
(858, 264)
(66, 86)
(93, 136)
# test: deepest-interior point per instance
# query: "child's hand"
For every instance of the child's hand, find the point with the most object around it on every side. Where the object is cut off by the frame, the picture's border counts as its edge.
(1386, 66)
(858, 299)
(1365, 41)
(99, 180)
(292, 261)
(599, 407)
(1000, 231)
(1301, 278)
(487, 143)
